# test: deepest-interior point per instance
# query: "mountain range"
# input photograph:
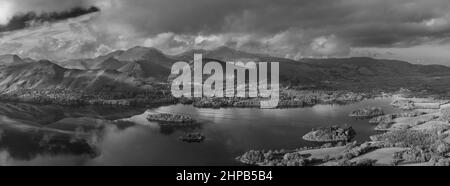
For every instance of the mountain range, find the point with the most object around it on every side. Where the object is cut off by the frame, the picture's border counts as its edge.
(134, 68)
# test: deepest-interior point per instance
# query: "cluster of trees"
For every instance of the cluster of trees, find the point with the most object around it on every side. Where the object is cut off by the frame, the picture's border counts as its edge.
(63, 96)
(408, 138)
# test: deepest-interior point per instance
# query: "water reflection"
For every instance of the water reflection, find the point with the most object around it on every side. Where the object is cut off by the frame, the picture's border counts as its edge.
(29, 132)
(27, 145)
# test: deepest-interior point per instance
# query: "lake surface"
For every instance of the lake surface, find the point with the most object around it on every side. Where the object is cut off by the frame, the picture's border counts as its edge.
(50, 135)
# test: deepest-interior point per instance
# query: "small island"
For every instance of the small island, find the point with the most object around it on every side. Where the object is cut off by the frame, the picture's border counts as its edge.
(367, 113)
(170, 118)
(330, 134)
(192, 138)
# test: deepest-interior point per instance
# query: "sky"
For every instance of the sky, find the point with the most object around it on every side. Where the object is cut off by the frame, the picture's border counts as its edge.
(414, 30)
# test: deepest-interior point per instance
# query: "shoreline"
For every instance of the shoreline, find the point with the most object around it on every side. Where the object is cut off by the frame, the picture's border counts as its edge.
(289, 99)
(424, 140)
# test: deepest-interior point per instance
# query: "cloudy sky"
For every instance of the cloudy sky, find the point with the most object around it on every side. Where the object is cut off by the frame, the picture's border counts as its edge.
(413, 30)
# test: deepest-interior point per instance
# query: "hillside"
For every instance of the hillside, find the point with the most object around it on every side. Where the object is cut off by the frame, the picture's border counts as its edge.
(139, 67)
(315, 72)
(47, 75)
(364, 66)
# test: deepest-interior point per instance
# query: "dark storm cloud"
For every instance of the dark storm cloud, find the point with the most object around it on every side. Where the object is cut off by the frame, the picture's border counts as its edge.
(22, 21)
(360, 22)
(211, 16)
(287, 28)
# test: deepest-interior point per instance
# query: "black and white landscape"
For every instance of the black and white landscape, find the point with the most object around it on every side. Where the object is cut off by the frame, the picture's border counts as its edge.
(87, 82)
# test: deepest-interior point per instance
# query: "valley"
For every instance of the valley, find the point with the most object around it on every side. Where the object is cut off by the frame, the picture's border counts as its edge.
(74, 107)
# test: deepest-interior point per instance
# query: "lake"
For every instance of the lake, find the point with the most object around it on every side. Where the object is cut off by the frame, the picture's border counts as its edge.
(52, 135)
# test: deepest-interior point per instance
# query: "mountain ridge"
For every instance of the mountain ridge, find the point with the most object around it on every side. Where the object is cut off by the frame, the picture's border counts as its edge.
(138, 66)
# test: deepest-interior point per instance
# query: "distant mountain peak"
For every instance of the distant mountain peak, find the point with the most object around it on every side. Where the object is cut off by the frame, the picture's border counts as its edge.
(144, 50)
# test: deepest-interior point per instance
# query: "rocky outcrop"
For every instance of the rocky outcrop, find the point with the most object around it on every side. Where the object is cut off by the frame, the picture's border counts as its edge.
(170, 118)
(367, 113)
(330, 134)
